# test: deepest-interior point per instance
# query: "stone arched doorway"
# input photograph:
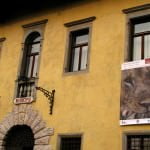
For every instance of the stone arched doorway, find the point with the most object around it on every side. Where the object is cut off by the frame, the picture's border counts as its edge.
(23, 116)
(19, 137)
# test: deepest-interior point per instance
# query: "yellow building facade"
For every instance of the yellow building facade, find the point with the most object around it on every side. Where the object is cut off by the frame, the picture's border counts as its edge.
(86, 102)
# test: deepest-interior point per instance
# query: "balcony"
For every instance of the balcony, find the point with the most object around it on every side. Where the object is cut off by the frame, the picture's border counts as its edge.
(25, 90)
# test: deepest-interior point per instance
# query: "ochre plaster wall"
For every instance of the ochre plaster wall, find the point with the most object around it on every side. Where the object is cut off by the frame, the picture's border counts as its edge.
(87, 103)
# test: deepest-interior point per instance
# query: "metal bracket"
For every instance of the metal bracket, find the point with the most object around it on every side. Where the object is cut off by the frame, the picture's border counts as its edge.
(49, 95)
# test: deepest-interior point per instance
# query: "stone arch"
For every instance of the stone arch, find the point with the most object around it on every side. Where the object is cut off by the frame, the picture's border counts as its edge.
(19, 137)
(24, 114)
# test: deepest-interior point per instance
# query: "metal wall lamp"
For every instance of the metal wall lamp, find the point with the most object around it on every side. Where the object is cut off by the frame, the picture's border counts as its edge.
(49, 95)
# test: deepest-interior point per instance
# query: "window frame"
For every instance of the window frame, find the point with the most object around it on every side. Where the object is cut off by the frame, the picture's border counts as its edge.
(28, 29)
(130, 133)
(73, 45)
(133, 22)
(69, 135)
(131, 14)
(27, 54)
(141, 34)
(76, 26)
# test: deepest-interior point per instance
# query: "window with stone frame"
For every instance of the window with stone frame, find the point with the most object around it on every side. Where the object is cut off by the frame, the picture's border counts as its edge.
(70, 142)
(77, 59)
(140, 37)
(138, 33)
(78, 45)
(29, 67)
(138, 142)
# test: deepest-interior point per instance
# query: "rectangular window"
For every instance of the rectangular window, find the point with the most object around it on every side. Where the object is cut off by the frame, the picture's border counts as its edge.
(141, 38)
(70, 143)
(78, 50)
(78, 44)
(138, 33)
(138, 142)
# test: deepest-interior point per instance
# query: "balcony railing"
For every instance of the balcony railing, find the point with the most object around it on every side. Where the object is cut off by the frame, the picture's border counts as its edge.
(26, 88)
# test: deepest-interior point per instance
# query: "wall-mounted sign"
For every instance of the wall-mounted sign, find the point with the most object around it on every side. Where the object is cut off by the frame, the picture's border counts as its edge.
(23, 100)
(135, 93)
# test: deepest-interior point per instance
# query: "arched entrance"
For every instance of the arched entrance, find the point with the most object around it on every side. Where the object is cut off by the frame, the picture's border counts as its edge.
(19, 137)
(24, 126)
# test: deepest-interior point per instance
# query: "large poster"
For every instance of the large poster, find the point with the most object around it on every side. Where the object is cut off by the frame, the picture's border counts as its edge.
(135, 93)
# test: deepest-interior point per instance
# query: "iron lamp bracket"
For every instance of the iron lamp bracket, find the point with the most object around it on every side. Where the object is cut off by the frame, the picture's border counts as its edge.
(49, 95)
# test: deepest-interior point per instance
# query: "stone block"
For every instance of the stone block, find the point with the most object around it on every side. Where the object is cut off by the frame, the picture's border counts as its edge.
(42, 141)
(22, 108)
(10, 120)
(3, 130)
(21, 118)
(16, 118)
(44, 132)
(1, 147)
(32, 116)
(37, 120)
(42, 147)
(15, 108)
(2, 136)
(39, 127)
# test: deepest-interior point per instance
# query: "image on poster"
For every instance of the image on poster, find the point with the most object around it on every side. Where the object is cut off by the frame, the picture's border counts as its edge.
(135, 93)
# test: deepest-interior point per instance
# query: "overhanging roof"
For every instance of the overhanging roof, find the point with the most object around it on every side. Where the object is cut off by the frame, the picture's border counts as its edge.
(11, 9)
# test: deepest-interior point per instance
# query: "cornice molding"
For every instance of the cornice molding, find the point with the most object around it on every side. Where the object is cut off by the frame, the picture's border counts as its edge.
(73, 23)
(35, 23)
(137, 8)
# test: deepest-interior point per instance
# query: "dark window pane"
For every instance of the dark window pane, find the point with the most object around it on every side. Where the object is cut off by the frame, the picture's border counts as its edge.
(70, 143)
(138, 142)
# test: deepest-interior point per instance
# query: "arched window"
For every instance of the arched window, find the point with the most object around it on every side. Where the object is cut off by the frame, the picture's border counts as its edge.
(29, 66)
(31, 55)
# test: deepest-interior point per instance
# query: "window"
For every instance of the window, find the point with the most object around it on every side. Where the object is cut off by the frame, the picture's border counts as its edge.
(31, 55)
(138, 33)
(141, 38)
(78, 50)
(29, 65)
(78, 45)
(70, 143)
(138, 142)
(28, 72)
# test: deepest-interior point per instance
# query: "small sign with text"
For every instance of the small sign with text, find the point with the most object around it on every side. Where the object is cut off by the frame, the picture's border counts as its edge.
(23, 100)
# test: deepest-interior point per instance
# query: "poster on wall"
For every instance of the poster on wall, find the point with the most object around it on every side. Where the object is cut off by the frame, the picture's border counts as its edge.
(135, 93)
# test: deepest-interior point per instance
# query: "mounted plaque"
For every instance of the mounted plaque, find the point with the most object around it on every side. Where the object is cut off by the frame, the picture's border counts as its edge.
(23, 100)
